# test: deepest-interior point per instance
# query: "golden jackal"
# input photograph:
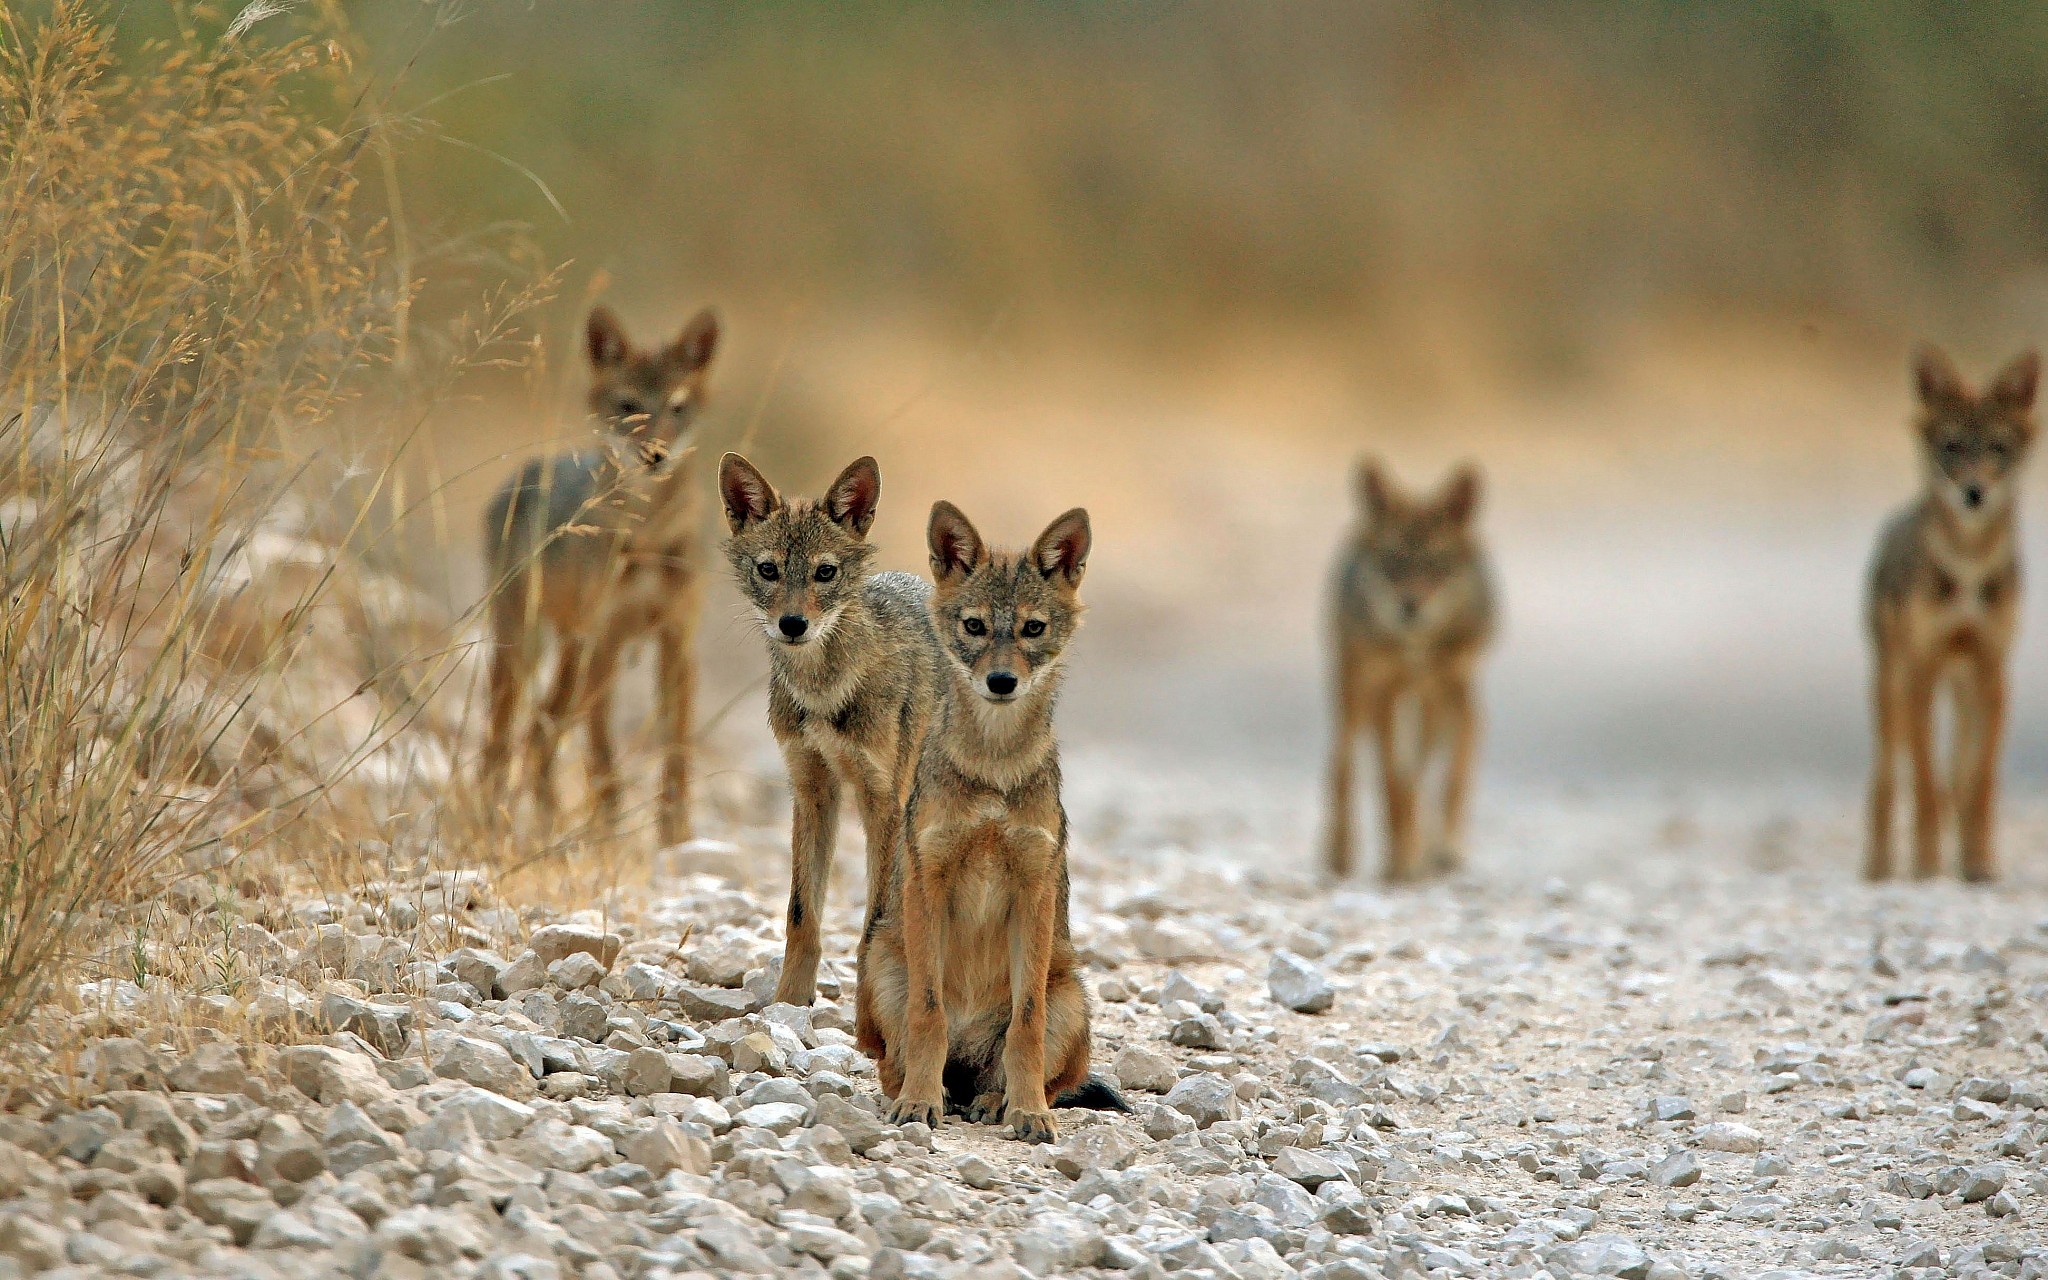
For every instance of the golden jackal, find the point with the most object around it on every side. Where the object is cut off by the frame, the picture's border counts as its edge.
(853, 680)
(969, 987)
(1414, 610)
(1943, 607)
(602, 547)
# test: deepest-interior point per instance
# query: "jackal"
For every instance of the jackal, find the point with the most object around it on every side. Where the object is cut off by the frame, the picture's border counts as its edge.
(602, 547)
(1943, 609)
(1413, 613)
(853, 680)
(969, 987)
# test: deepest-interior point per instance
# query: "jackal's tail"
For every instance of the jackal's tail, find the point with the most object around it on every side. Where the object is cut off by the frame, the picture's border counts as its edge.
(1094, 1093)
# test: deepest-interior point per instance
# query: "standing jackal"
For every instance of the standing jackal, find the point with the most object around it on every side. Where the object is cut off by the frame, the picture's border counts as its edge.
(1943, 609)
(853, 681)
(602, 547)
(969, 987)
(1414, 610)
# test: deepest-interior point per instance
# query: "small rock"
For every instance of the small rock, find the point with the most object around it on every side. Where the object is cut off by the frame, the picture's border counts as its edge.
(559, 940)
(665, 1146)
(1306, 1167)
(1679, 1169)
(1605, 1255)
(483, 1063)
(576, 971)
(525, 974)
(976, 1172)
(1982, 1183)
(230, 1203)
(778, 1118)
(1670, 1108)
(714, 1004)
(1299, 984)
(1147, 1070)
(1205, 1098)
(646, 1072)
(1728, 1136)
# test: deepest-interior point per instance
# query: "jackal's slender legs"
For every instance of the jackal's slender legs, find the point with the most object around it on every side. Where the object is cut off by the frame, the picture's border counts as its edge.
(922, 1096)
(1888, 714)
(677, 674)
(1462, 712)
(814, 830)
(1981, 732)
(1031, 930)
(1919, 727)
(511, 664)
(1397, 786)
(599, 674)
(1343, 752)
(548, 721)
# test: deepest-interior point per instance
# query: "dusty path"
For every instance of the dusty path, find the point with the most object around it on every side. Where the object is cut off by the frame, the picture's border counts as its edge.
(1640, 1044)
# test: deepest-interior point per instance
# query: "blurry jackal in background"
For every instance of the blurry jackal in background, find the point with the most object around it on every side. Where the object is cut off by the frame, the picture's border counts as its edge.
(1943, 609)
(601, 547)
(1413, 611)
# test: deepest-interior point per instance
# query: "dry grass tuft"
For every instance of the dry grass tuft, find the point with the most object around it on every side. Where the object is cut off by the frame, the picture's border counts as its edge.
(212, 677)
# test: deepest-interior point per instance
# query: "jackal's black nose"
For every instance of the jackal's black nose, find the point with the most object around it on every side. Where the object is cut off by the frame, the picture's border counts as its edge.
(793, 625)
(1002, 683)
(1973, 497)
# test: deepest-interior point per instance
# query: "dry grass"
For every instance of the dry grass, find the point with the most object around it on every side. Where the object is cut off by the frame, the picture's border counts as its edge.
(216, 678)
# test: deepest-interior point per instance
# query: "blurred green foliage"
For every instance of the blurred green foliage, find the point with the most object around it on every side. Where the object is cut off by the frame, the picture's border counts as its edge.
(1165, 174)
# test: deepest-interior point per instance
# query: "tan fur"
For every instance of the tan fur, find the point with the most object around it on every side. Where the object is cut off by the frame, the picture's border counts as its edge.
(1943, 610)
(851, 693)
(1413, 613)
(601, 548)
(972, 976)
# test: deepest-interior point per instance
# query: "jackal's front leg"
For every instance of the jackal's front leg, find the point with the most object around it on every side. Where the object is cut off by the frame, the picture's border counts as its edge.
(1462, 712)
(1031, 933)
(813, 830)
(1978, 748)
(1887, 719)
(882, 819)
(1397, 789)
(922, 1095)
(1920, 685)
(1349, 721)
(678, 676)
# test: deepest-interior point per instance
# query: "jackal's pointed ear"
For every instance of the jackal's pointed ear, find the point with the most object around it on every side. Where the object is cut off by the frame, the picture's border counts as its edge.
(1062, 550)
(853, 496)
(2016, 384)
(1376, 496)
(746, 493)
(957, 549)
(697, 343)
(1460, 496)
(605, 338)
(1935, 378)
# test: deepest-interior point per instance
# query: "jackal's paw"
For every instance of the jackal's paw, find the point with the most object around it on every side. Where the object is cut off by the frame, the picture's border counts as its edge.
(1978, 875)
(795, 991)
(1032, 1126)
(1446, 859)
(986, 1109)
(905, 1110)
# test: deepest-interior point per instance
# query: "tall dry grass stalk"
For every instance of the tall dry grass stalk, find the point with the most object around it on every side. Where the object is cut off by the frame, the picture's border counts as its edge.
(190, 286)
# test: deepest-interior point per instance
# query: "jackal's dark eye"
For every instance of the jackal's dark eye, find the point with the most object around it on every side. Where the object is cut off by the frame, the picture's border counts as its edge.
(826, 572)
(629, 408)
(974, 626)
(768, 571)
(1996, 449)
(1952, 449)
(1034, 628)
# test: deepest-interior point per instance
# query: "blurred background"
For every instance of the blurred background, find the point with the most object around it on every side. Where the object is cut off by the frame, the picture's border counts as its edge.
(1657, 266)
